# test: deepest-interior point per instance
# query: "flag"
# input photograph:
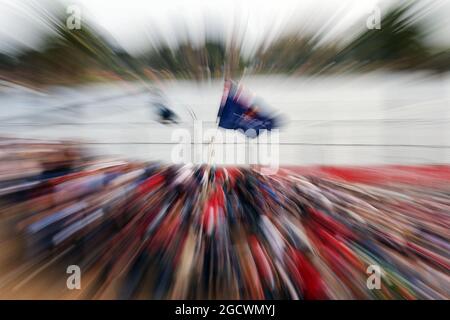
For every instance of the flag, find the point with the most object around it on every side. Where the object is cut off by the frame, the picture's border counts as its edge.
(240, 110)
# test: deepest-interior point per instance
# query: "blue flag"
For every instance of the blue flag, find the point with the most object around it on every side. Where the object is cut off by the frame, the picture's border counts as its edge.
(240, 111)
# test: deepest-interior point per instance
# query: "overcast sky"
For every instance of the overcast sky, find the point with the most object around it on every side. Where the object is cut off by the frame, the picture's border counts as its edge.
(135, 24)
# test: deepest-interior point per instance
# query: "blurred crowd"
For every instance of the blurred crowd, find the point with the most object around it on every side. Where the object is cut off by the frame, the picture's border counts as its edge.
(153, 231)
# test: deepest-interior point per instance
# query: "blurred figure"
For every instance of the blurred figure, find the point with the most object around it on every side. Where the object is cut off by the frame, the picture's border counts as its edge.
(165, 114)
